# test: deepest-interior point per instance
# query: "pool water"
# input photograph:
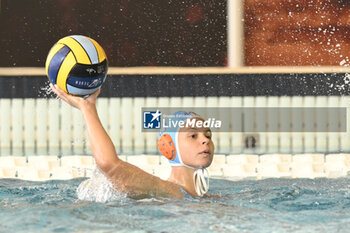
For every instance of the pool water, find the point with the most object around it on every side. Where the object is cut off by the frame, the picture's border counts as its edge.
(271, 205)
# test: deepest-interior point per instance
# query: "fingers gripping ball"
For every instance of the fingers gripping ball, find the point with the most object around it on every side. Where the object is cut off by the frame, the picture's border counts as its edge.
(77, 64)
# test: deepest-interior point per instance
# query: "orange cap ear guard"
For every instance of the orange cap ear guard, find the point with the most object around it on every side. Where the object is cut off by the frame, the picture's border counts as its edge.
(166, 146)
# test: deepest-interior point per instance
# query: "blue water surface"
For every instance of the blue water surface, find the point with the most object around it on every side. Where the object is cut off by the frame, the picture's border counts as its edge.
(271, 205)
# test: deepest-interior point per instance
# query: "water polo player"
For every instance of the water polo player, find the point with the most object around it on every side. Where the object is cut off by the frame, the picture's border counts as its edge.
(190, 150)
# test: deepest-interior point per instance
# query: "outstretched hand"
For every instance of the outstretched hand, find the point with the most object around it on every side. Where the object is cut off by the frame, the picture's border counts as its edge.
(75, 101)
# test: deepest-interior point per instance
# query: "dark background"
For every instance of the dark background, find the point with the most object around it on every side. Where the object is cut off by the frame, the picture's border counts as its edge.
(297, 32)
(179, 33)
(193, 85)
(133, 33)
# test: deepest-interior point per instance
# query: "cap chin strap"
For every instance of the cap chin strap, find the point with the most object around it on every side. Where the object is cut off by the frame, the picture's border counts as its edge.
(200, 179)
(201, 184)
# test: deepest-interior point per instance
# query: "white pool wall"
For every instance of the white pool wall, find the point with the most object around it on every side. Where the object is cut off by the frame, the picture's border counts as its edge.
(235, 166)
(49, 126)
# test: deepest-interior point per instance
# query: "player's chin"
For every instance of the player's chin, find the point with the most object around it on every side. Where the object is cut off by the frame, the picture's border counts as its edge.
(205, 161)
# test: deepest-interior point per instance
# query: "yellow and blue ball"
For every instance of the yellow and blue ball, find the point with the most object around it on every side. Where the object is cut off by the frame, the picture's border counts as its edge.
(77, 64)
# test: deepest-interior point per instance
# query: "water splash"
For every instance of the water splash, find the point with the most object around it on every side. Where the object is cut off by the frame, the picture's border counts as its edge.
(98, 189)
(345, 61)
(346, 80)
(46, 92)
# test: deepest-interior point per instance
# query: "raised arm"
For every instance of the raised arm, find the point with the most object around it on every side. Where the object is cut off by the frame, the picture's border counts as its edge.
(101, 144)
(125, 176)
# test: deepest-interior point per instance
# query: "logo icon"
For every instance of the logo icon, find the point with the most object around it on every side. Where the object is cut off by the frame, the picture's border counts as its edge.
(91, 70)
(151, 119)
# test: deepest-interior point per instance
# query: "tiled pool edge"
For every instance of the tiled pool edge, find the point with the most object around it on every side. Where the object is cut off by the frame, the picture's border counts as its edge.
(236, 166)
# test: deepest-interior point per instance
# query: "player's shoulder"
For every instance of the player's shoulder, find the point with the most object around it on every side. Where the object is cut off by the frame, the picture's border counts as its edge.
(170, 189)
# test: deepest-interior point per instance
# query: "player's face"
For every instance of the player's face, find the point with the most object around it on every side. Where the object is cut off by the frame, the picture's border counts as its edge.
(196, 146)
